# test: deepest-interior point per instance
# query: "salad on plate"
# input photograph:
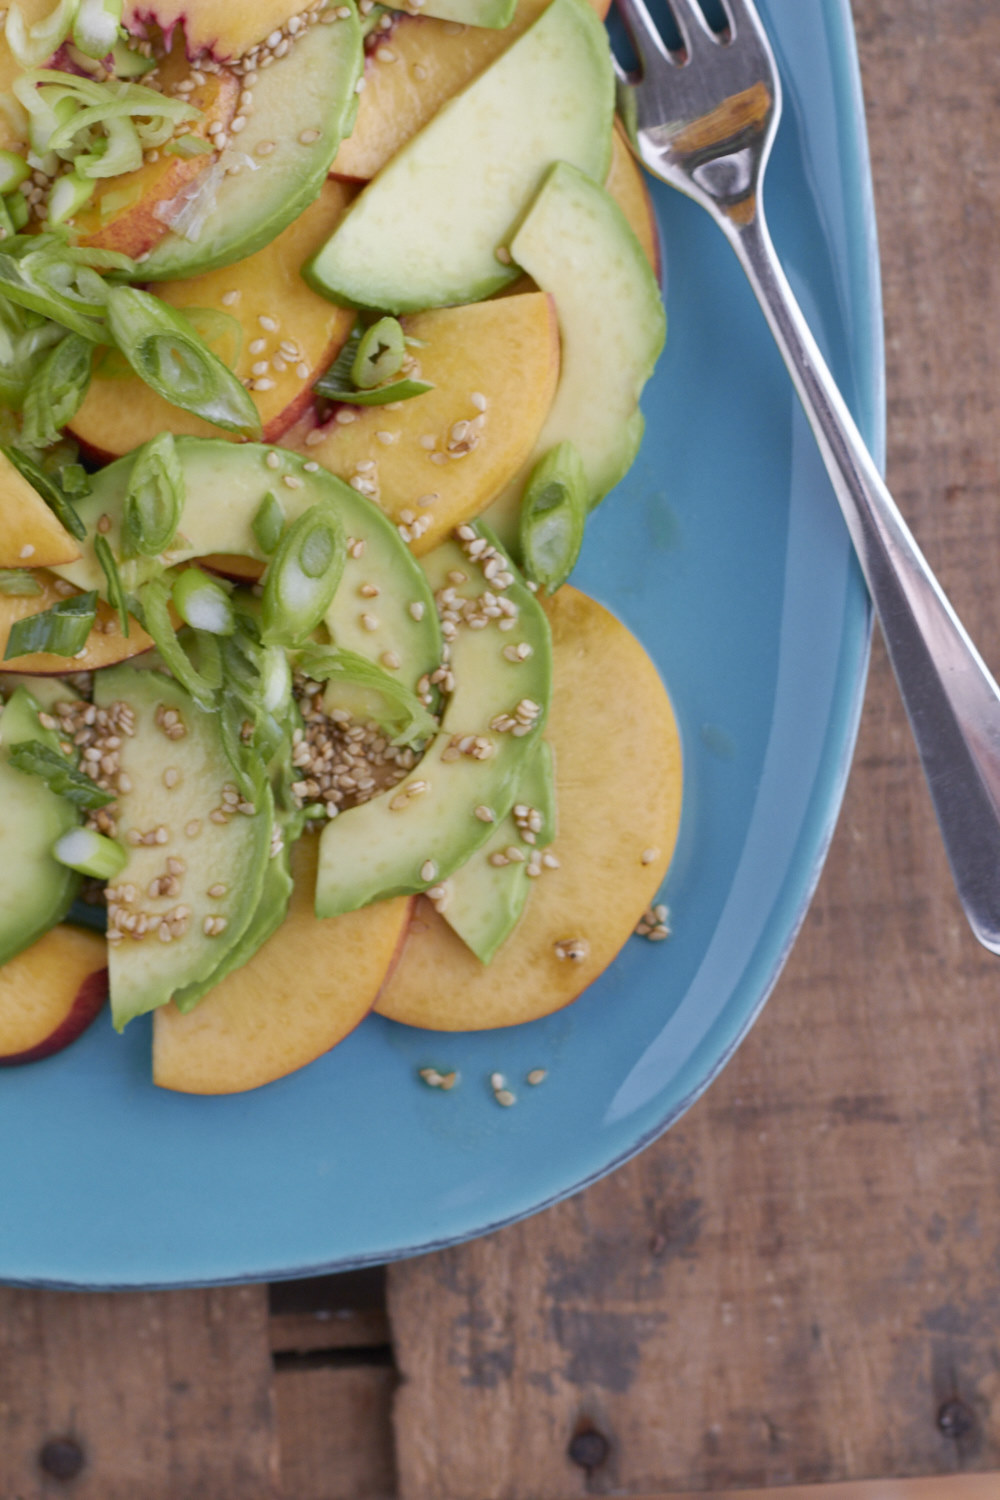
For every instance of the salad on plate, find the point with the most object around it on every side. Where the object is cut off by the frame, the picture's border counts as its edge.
(322, 331)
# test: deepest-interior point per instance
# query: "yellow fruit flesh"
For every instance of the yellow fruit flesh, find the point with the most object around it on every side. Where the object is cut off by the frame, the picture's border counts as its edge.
(106, 645)
(132, 227)
(119, 413)
(424, 62)
(506, 352)
(225, 28)
(301, 994)
(618, 786)
(30, 535)
(40, 987)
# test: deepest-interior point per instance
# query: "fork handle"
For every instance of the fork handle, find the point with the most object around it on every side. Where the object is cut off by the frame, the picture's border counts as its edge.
(951, 699)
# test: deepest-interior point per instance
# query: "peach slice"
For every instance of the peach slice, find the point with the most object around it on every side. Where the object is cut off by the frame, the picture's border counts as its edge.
(442, 456)
(301, 994)
(421, 63)
(31, 535)
(122, 215)
(106, 645)
(277, 313)
(222, 27)
(50, 993)
(627, 185)
(618, 786)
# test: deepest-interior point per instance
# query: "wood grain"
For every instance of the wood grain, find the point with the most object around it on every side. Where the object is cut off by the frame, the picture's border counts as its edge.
(802, 1281)
(158, 1395)
(336, 1431)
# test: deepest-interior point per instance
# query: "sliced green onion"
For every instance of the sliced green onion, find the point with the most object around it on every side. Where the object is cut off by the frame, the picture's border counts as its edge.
(220, 331)
(74, 481)
(186, 146)
(57, 390)
(268, 523)
(276, 680)
(69, 194)
(61, 630)
(397, 390)
(154, 601)
(47, 489)
(59, 775)
(368, 691)
(128, 63)
(553, 513)
(32, 281)
(17, 582)
(116, 589)
(154, 500)
(6, 222)
(165, 352)
(380, 354)
(203, 603)
(303, 575)
(339, 373)
(90, 853)
(13, 171)
(35, 44)
(96, 27)
(17, 211)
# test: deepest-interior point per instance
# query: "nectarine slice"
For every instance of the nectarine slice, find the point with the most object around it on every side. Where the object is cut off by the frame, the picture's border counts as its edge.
(627, 185)
(421, 64)
(442, 456)
(222, 27)
(301, 994)
(122, 215)
(106, 645)
(31, 536)
(618, 787)
(282, 360)
(50, 993)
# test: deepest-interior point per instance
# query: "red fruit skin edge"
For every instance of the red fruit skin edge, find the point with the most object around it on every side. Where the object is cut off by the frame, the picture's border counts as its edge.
(87, 1005)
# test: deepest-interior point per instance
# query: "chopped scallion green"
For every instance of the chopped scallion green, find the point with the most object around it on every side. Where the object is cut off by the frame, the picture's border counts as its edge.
(57, 391)
(303, 576)
(553, 514)
(36, 759)
(203, 603)
(380, 354)
(268, 523)
(47, 489)
(17, 582)
(116, 590)
(61, 630)
(154, 500)
(90, 853)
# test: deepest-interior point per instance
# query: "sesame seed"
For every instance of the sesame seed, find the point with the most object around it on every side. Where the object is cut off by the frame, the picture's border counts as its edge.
(537, 1076)
(262, 385)
(264, 148)
(417, 610)
(293, 481)
(575, 949)
(27, 550)
(503, 255)
(309, 137)
(648, 856)
(369, 622)
(171, 776)
(302, 371)
(390, 660)
(269, 324)
(217, 891)
(485, 814)
(104, 525)
(261, 367)
(478, 400)
(273, 461)
(428, 870)
(230, 299)
(505, 1097)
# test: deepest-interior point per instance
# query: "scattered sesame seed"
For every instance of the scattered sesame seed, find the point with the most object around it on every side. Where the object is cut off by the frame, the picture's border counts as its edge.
(309, 137)
(269, 324)
(417, 610)
(369, 622)
(537, 1076)
(230, 299)
(505, 1097)
(649, 855)
(293, 481)
(171, 776)
(575, 949)
(428, 870)
(485, 814)
(27, 550)
(272, 460)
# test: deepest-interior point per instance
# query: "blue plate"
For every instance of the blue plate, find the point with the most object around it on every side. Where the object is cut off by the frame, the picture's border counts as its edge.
(725, 553)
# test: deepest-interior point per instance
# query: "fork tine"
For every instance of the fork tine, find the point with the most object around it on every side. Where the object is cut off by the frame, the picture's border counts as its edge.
(691, 22)
(642, 31)
(743, 15)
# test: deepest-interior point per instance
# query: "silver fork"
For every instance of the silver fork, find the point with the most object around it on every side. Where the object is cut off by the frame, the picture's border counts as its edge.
(704, 121)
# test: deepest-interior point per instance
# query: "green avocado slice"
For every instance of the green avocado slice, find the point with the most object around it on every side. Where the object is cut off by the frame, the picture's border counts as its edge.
(487, 897)
(576, 243)
(416, 834)
(225, 485)
(426, 230)
(218, 863)
(304, 106)
(36, 891)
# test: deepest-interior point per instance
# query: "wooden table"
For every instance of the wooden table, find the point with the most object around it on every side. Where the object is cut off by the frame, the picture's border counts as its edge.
(801, 1282)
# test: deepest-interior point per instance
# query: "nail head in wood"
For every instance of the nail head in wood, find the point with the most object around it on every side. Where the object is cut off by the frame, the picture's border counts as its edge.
(589, 1448)
(62, 1458)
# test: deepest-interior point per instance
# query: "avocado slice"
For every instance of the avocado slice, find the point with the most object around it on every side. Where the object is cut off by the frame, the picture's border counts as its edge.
(426, 230)
(177, 782)
(225, 485)
(494, 14)
(487, 898)
(416, 834)
(309, 92)
(36, 891)
(576, 243)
